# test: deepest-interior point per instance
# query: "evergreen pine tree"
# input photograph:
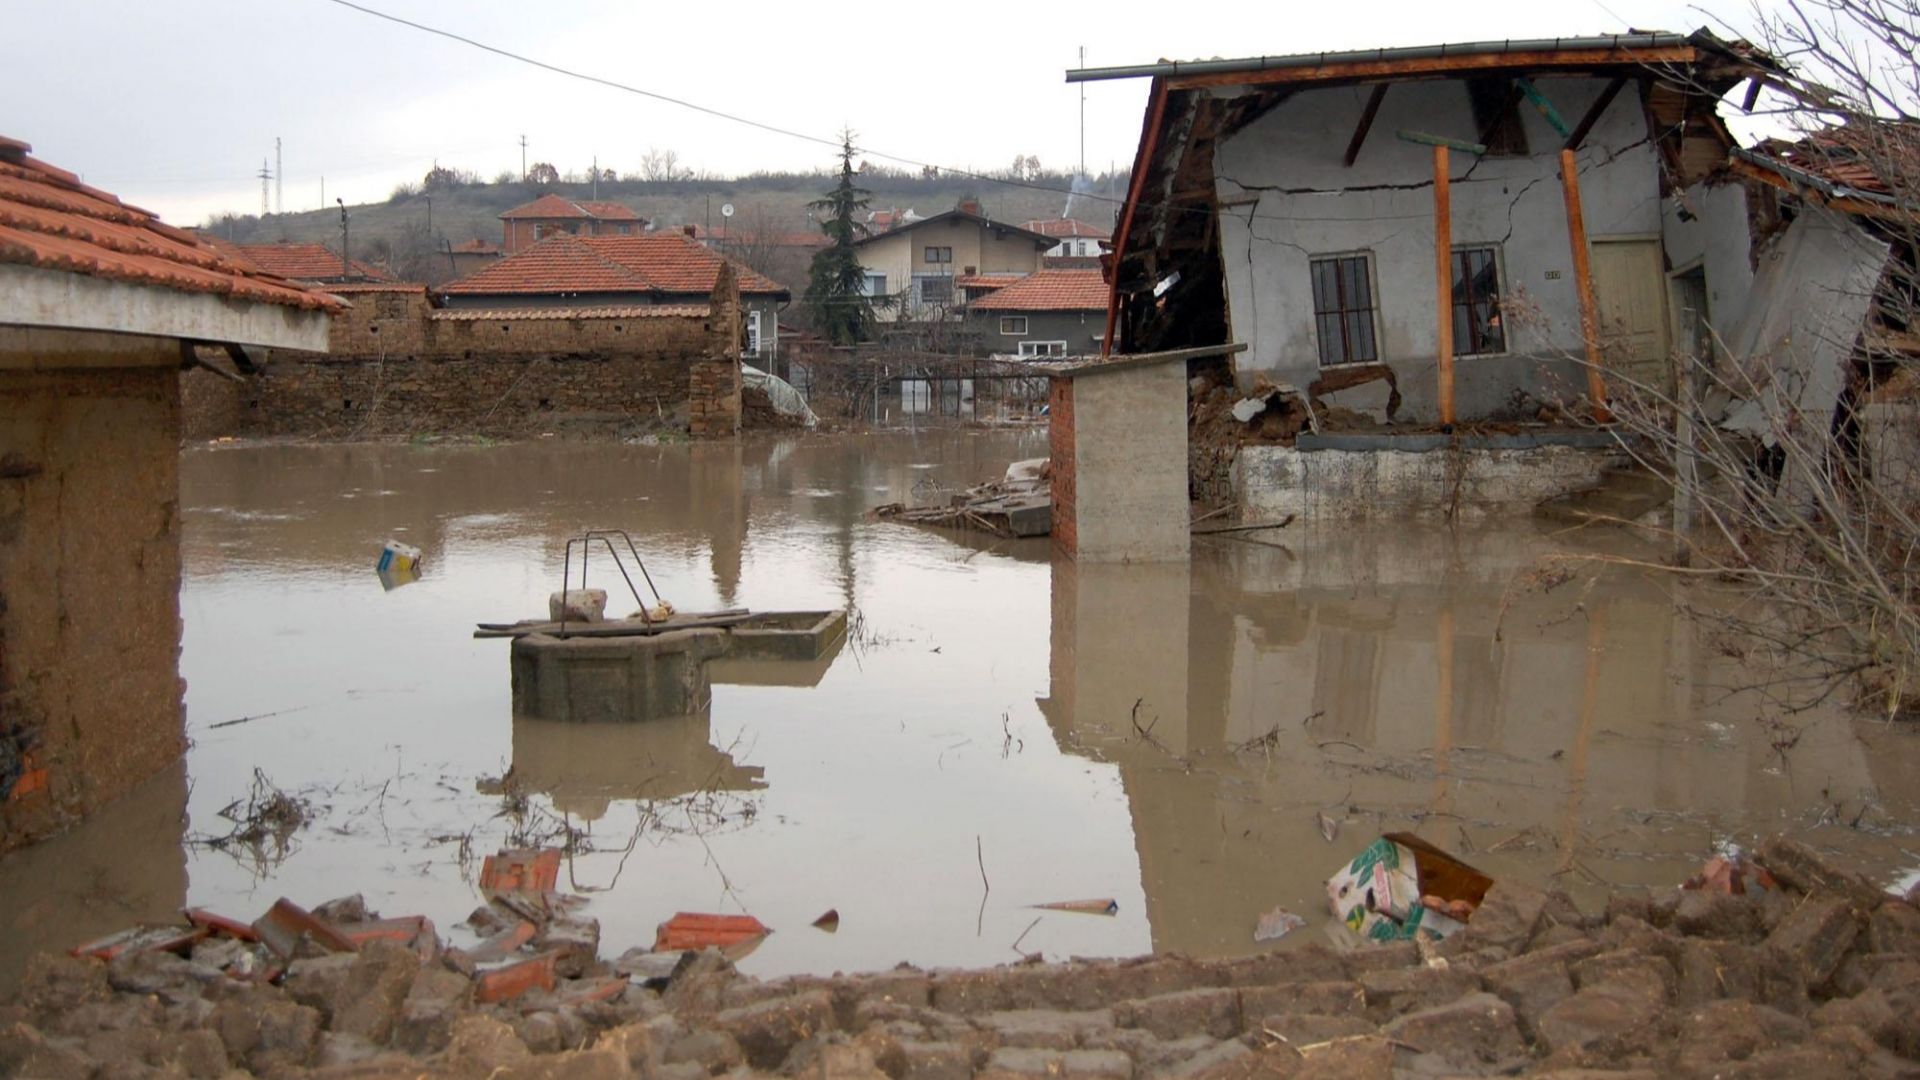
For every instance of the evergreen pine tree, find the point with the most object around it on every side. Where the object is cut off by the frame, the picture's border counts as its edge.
(836, 295)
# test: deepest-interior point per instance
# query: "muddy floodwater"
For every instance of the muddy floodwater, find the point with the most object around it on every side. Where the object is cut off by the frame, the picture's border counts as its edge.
(1001, 729)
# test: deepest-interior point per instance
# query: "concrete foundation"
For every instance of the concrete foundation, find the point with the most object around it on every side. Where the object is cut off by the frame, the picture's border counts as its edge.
(1380, 482)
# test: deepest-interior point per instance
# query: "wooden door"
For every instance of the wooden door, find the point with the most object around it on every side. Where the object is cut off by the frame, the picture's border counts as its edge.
(1630, 289)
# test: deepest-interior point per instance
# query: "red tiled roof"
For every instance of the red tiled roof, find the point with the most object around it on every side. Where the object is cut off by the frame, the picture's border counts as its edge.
(676, 263)
(664, 263)
(52, 221)
(648, 311)
(476, 247)
(986, 281)
(1858, 156)
(558, 264)
(549, 207)
(1067, 227)
(1050, 290)
(347, 287)
(305, 262)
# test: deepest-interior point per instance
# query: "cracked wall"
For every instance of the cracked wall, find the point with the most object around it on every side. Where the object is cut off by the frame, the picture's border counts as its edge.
(1286, 196)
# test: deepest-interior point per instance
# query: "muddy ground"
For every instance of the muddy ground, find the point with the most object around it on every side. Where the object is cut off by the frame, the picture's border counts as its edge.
(1819, 976)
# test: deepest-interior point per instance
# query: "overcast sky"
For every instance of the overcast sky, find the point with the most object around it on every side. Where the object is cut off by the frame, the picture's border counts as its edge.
(173, 104)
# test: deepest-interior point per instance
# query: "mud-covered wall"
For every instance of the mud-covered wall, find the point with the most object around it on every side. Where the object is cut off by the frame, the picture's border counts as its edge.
(399, 366)
(90, 691)
(1129, 454)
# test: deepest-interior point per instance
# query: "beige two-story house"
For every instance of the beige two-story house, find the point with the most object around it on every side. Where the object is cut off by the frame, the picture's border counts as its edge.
(915, 263)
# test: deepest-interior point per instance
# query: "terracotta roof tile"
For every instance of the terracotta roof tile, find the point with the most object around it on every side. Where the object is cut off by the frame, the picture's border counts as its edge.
(549, 207)
(558, 264)
(677, 263)
(52, 221)
(648, 311)
(305, 262)
(671, 263)
(1067, 227)
(1050, 290)
(476, 247)
(986, 281)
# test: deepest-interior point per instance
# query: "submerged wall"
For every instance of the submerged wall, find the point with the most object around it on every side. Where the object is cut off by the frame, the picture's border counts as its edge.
(90, 691)
(1287, 197)
(1382, 483)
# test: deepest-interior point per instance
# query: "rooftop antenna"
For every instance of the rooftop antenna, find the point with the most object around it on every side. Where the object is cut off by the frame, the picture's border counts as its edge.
(1083, 114)
(279, 175)
(266, 174)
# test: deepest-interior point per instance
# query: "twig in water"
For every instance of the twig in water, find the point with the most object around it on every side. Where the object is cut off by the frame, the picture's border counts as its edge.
(980, 857)
(1023, 935)
(261, 716)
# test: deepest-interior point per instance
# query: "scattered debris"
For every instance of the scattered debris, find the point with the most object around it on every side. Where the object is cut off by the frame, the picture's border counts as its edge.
(830, 922)
(264, 824)
(1329, 828)
(291, 930)
(1733, 874)
(688, 930)
(399, 565)
(1400, 886)
(521, 870)
(1102, 906)
(1277, 924)
(141, 939)
(1019, 504)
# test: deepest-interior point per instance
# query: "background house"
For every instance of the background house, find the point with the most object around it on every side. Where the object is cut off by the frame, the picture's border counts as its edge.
(550, 215)
(314, 264)
(578, 272)
(473, 256)
(100, 308)
(1077, 238)
(918, 261)
(1047, 313)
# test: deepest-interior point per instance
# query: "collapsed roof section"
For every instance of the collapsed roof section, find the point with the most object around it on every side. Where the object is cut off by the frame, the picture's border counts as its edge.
(1167, 229)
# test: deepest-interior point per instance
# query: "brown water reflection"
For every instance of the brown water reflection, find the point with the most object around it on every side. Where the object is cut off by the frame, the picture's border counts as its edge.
(986, 703)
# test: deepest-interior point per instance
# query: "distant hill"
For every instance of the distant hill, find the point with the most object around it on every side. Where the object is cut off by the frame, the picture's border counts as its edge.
(395, 232)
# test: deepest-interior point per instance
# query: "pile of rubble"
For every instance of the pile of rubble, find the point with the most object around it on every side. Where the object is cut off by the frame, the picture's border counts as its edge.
(1817, 976)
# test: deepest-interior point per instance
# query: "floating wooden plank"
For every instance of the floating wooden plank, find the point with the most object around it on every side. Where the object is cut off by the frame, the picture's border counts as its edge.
(1102, 906)
(610, 628)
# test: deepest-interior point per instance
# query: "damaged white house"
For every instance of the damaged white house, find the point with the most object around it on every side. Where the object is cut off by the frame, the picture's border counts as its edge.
(1495, 236)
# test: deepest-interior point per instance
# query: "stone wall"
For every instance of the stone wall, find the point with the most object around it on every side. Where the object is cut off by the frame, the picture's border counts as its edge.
(399, 366)
(90, 692)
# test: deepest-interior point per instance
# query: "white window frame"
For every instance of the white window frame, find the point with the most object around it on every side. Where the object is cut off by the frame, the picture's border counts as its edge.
(873, 284)
(1039, 350)
(1007, 323)
(919, 291)
(753, 333)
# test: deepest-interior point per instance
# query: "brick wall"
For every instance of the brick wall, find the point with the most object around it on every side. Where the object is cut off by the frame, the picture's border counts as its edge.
(1060, 439)
(89, 457)
(713, 384)
(399, 366)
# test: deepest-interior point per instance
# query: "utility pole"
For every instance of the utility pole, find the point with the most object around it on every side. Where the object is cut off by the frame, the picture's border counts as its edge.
(523, 159)
(323, 191)
(279, 180)
(266, 174)
(346, 271)
(596, 176)
(1083, 115)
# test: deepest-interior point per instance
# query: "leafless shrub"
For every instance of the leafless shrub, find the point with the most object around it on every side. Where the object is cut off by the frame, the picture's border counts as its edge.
(263, 826)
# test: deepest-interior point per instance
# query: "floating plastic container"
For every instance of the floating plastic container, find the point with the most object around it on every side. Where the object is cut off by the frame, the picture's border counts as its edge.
(398, 558)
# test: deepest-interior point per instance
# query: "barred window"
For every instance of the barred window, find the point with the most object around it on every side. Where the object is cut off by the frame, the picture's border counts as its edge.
(1343, 309)
(1477, 323)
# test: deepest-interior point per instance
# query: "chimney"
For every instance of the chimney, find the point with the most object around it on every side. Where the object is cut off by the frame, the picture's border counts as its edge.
(689, 230)
(970, 206)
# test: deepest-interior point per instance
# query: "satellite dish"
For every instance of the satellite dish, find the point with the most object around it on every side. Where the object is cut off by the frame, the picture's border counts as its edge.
(726, 209)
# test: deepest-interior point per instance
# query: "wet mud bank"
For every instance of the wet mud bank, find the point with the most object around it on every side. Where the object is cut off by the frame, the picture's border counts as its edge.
(1816, 975)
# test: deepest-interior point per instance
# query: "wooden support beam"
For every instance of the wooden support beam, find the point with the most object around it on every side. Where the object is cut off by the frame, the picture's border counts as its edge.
(1754, 86)
(1425, 139)
(1543, 104)
(1443, 292)
(1366, 123)
(1594, 113)
(1583, 280)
